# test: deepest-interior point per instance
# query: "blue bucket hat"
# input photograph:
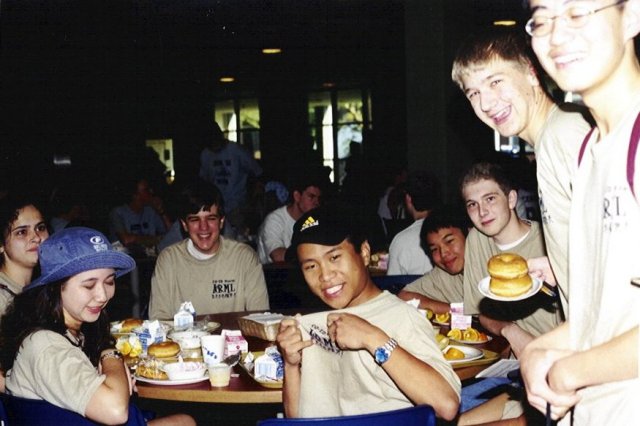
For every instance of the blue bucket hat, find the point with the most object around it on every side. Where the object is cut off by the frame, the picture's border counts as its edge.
(75, 250)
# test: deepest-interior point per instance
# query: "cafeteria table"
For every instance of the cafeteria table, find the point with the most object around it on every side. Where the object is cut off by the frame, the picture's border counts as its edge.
(243, 389)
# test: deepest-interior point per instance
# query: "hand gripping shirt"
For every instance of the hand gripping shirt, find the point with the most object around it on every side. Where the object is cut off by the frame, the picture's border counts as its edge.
(339, 383)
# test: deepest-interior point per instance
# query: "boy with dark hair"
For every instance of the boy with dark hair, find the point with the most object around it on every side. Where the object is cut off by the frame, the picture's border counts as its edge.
(214, 273)
(376, 353)
(422, 194)
(442, 237)
(274, 235)
(590, 364)
(490, 199)
(497, 72)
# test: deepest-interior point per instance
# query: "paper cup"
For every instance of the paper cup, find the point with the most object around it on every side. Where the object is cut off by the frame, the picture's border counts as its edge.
(219, 375)
(212, 349)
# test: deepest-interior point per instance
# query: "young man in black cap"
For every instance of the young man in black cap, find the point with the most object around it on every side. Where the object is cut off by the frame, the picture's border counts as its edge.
(376, 354)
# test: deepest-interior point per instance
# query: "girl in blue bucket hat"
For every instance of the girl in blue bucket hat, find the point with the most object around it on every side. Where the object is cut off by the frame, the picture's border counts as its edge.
(55, 342)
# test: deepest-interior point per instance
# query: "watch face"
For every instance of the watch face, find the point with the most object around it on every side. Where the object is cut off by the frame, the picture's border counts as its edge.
(381, 355)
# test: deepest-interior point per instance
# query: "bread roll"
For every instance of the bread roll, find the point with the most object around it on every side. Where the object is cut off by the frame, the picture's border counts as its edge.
(164, 349)
(509, 275)
(130, 324)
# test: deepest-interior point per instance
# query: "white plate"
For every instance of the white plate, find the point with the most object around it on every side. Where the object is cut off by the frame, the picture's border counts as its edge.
(172, 382)
(472, 342)
(440, 323)
(483, 286)
(470, 354)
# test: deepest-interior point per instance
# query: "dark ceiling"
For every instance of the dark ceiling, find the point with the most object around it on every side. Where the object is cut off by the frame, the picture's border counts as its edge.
(114, 71)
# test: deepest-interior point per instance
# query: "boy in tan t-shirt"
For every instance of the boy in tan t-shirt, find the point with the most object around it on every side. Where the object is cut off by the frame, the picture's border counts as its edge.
(384, 374)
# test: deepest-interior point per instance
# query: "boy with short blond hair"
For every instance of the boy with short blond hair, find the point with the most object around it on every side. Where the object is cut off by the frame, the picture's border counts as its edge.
(497, 72)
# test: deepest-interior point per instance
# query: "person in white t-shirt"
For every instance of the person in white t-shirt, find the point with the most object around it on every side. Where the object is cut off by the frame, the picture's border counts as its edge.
(276, 230)
(406, 257)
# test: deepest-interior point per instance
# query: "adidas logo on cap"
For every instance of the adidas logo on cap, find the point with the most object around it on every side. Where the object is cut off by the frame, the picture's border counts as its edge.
(310, 222)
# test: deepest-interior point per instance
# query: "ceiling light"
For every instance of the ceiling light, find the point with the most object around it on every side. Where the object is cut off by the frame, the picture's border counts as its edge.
(504, 23)
(271, 50)
(227, 79)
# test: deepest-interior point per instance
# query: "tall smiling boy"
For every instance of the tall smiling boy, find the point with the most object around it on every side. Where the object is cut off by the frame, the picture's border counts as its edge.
(590, 363)
(495, 70)
(376, 353)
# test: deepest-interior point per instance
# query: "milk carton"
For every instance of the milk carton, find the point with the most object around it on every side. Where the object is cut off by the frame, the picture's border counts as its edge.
(234, 342)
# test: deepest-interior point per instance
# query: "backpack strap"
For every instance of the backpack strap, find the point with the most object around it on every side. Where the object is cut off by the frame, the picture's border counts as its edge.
(584, 145)
(631, 154)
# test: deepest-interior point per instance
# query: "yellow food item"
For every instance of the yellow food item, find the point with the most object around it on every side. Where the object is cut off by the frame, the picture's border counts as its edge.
(455, 333)
(124, 347)
(471, 334)
(443, 318)
(429, 314)
(129, 345)
(454, 353)
(442, 340)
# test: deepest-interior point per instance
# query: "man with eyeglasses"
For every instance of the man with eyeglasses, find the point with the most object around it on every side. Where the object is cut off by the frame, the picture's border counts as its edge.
(495, 71)
(590, 363)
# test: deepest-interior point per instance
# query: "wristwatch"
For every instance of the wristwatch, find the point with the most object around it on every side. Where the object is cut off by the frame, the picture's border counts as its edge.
(383, 353)
(114, 353)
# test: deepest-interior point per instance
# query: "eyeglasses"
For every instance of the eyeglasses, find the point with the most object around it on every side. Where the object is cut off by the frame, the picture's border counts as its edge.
(575, 16)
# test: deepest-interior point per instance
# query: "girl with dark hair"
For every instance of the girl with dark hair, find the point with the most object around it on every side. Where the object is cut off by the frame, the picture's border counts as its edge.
(22, 229)
(55, 343)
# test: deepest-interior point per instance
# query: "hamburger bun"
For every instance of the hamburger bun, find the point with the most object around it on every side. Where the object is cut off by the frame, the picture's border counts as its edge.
(130, 324)
(509, 275)
(164, 349)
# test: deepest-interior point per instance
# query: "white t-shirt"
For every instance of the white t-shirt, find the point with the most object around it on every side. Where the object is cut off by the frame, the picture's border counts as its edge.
(276, 231)
(406, 257)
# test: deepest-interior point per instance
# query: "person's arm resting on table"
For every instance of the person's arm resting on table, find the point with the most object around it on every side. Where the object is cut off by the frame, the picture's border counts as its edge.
(425, 302)
(515, 335)
(110, 403)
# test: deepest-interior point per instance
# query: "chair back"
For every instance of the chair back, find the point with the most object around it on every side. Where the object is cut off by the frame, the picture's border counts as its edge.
(421, 415)
(393, 283)
(4, 420)
(32, 412)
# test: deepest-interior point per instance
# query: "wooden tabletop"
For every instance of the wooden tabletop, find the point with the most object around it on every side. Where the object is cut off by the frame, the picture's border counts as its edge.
(243, 389)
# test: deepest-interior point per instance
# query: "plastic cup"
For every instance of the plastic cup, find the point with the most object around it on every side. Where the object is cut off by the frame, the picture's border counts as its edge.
(219, 375)
(212, 349)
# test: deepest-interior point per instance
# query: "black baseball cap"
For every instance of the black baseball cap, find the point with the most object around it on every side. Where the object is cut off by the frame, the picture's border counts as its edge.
(321, 226)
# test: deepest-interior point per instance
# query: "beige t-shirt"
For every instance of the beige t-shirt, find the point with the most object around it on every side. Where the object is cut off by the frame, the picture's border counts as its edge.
(338, 383)
(439, 285)
(604, 240)
(537, 314)
(6, 296)
(230, 281)
(557, 146)
(49, 367)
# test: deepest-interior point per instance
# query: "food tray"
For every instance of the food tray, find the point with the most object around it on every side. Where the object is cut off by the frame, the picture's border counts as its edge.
(265, 326)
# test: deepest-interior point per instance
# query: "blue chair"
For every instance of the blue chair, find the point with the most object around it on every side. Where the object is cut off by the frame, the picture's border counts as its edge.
(35, 412)
(4, 420)
(421, 415)
(393, 283)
